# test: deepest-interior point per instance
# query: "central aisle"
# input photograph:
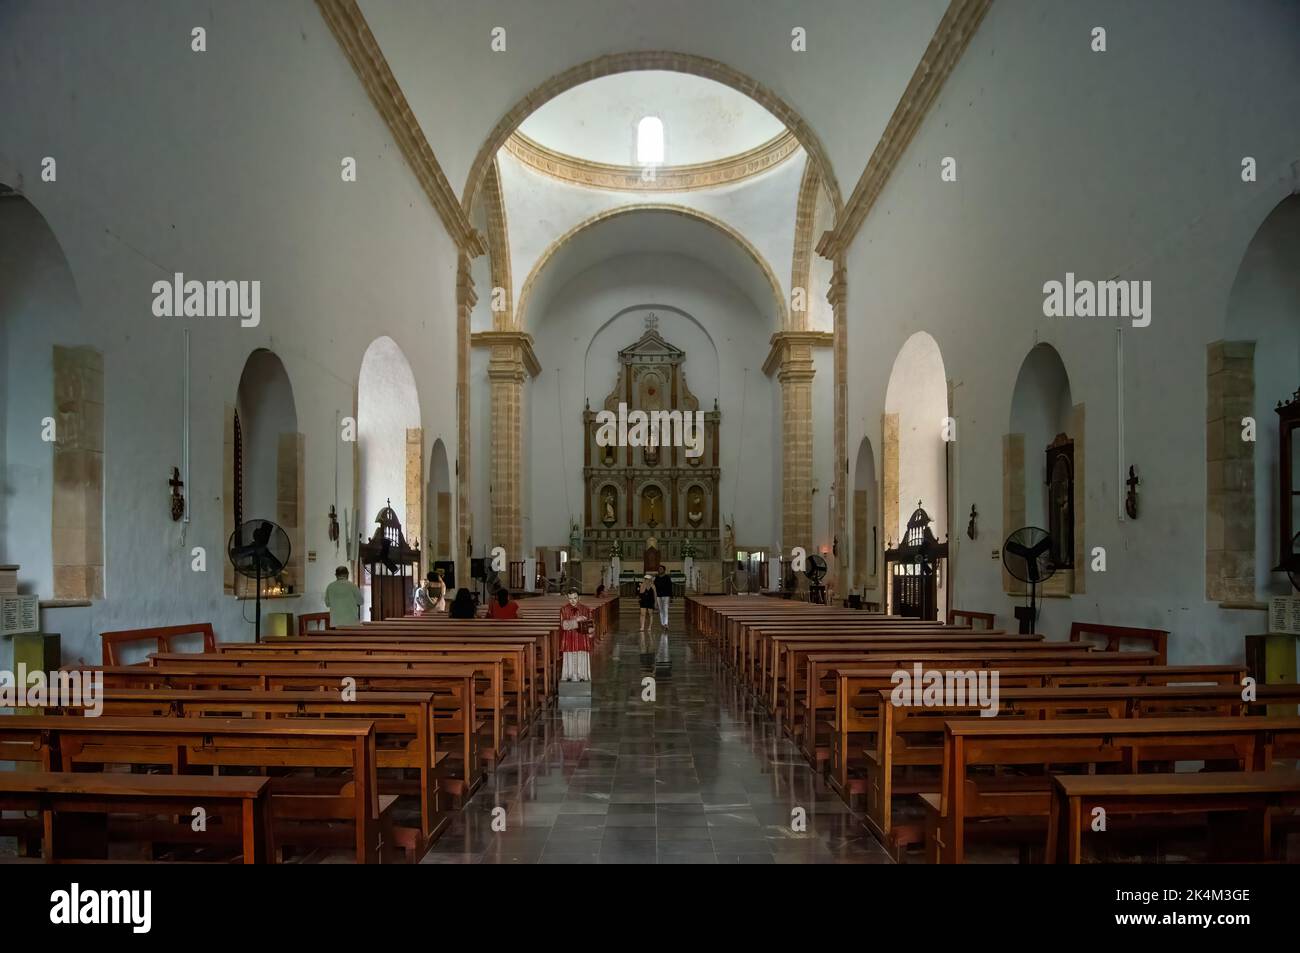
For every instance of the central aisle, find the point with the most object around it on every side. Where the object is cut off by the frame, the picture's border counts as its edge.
(696, 776)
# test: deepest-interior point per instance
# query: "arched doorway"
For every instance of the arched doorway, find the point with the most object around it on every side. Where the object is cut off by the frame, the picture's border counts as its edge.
(1251, 371)
(1043, 466)
(915, 425)
(389, 441)
(50, 449)
(264, 474)
(437, 537)
(866, 521)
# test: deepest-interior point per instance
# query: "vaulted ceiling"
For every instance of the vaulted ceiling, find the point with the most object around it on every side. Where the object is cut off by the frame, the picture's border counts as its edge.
(859, 57)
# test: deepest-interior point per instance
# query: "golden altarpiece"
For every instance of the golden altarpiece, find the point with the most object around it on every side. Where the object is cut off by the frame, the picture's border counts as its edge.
(651, 501)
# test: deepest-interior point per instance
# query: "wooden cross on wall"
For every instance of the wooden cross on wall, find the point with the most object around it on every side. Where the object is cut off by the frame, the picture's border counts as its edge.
(178, 501)
(1131, 500)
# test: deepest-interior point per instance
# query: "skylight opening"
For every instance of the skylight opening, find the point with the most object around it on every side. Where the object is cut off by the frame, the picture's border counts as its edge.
(650, 141)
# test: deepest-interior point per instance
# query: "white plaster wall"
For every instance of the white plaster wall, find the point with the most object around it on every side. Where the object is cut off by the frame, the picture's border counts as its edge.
(699, 311)
(220, 165)
(1130, 169)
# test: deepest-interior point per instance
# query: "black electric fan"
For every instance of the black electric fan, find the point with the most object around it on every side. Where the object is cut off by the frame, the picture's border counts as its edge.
(1027, 555)
(258, 549)
(815, 569)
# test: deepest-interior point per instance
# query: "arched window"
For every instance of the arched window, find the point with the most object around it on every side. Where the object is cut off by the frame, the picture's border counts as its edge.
(650, 141)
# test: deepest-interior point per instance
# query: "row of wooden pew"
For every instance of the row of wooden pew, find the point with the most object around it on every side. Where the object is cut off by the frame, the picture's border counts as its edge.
(362, 739)
(1010, 766)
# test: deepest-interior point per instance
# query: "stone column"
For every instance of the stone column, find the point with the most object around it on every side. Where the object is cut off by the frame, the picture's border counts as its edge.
(791, 357)
(465, 299)
(510, 363)
(77, 524)
(837, 295)
(413, 522)
(1230, 473)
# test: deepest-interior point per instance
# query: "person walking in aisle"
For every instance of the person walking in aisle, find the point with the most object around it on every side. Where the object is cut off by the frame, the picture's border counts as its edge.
(664, 593)
(647, 600)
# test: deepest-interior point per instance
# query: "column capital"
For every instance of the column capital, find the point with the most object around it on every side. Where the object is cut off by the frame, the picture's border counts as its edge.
(789, 347)
(509, 347)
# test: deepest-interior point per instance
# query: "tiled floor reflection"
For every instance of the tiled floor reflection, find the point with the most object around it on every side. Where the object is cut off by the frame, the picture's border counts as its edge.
(695, 777)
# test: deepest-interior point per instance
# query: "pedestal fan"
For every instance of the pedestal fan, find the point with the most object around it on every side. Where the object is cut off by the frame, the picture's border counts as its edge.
(258, 549)
(1027, 555)
(815, 570)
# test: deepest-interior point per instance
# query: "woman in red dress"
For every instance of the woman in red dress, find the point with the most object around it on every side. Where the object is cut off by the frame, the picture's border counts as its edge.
(577, 625)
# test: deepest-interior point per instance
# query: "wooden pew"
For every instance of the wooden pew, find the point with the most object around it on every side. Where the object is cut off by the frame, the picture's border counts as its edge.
(455, 719)
(804, 707)
(163, 639)
(310, 622)
(1250, 798)
(303, 808)
(74, 809)
(521, 675)
(908, 739)
(1113, 637)
(1250, 743)
(786, 682)
(404, 734)
(857, 686)
(968, 618)
(517, 689)
(380, 674)
(772, 644)
(412, 629)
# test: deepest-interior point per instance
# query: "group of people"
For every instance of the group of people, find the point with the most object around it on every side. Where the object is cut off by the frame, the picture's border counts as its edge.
(655, 593)
(432, 597)
(344, 600)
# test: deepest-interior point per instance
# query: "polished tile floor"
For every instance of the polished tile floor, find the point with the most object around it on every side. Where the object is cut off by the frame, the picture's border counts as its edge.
(696, 776)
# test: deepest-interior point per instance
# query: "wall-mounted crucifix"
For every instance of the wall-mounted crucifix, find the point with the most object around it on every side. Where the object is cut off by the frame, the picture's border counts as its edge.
(1131, 499)
(178, 501)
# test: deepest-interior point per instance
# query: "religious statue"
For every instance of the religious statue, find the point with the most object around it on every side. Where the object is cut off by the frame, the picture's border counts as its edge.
(575, 539)
(608, 514)
(578, 635)
(695, 506)
(728, 541)
(651, 506)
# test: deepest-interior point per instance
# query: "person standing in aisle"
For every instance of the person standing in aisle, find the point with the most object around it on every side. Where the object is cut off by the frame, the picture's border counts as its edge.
(647, 599)
(664, 593)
